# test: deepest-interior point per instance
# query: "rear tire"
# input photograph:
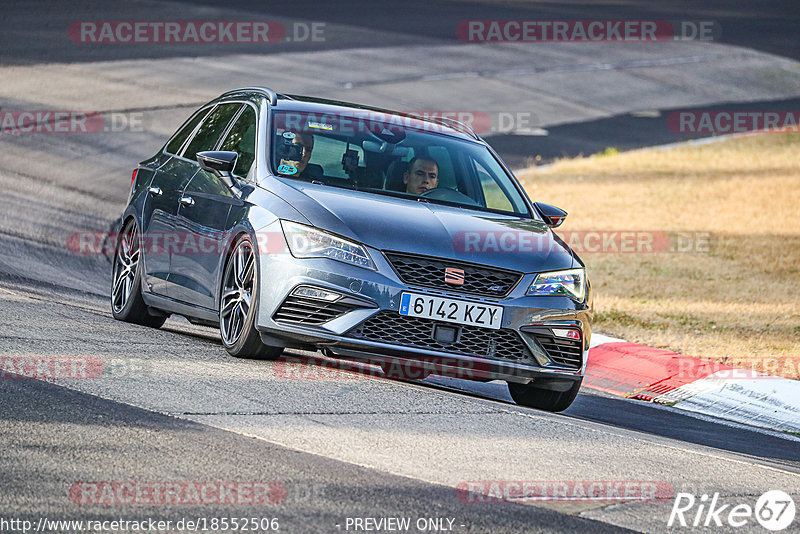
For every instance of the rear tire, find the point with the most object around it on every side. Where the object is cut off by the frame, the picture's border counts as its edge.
(126, 281)
(238, 305)
(543, 399)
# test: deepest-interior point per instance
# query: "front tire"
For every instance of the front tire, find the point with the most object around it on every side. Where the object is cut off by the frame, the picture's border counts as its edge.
(238, 304)
(126, 281)
(537, 396)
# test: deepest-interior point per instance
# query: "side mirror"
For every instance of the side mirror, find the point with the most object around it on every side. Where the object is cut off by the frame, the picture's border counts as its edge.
(220, 163)
(553, 216)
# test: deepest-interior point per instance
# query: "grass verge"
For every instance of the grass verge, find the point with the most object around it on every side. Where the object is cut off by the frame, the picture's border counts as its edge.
(728, 286)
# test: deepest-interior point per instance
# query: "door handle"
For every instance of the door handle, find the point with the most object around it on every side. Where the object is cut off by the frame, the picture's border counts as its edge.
(154, 190)
(187, 201)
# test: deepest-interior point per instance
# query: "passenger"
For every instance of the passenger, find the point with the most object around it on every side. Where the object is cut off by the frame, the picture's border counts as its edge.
(307, 142)
(422, 175)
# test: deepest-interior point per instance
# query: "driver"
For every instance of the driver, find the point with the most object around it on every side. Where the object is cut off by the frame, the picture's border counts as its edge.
(422, 175)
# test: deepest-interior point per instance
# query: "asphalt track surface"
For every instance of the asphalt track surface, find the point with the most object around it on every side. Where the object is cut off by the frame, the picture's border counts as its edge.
(172, 406)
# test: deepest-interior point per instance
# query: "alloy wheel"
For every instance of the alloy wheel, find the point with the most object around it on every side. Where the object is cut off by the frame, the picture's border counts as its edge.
(126, 262)
(237, 292)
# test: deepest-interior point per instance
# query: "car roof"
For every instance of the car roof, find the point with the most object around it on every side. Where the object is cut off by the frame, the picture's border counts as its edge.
(279, 101)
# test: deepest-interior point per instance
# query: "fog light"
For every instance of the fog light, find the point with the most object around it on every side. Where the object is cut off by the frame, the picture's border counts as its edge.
(316, 293)
(568, 333)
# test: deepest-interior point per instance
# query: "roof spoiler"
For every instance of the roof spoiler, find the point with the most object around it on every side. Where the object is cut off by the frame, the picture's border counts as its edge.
(273, 96)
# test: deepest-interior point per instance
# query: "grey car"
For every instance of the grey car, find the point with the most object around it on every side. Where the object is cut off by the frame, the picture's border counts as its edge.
(368, 234)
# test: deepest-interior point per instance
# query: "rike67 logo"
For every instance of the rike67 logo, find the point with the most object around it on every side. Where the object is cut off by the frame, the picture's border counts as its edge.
(774, 510)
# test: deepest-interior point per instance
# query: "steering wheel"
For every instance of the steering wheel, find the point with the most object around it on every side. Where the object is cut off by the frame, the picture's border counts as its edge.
(448, 195)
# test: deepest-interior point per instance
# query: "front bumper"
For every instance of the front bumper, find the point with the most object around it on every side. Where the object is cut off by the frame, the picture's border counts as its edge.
(370, 297)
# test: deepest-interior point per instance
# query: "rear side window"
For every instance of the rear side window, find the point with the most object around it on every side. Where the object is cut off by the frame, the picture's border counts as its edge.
(242, 140)
(175, 144)
(210, 131)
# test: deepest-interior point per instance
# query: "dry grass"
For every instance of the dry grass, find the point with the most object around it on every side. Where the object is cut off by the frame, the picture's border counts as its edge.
(738, 302)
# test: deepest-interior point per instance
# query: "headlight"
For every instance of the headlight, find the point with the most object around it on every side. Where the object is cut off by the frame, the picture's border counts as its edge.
(570, 283)
(308, 242)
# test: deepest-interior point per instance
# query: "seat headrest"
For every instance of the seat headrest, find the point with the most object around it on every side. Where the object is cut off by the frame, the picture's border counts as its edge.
(314, 171)
(394, 176)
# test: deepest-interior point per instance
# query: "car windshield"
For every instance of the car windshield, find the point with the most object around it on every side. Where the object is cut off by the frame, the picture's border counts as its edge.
(397, 156)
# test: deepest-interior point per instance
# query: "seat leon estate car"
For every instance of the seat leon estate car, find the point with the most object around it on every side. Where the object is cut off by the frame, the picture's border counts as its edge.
(371, 235)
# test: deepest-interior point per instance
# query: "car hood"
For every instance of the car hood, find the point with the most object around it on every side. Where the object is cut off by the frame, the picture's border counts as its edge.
(395, 224)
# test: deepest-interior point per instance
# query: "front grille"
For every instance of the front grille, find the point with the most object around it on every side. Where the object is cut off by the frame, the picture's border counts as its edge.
(390, 327)
(564, 352)
(425, 271)
(303, 310)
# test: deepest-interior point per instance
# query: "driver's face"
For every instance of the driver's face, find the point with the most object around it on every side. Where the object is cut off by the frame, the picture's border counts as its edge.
(423, 175)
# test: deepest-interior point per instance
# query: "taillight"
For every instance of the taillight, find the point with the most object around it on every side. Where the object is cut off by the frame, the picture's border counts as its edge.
(133, 176)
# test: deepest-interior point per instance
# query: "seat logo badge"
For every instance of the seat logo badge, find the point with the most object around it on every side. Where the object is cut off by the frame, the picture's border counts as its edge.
(453, 276)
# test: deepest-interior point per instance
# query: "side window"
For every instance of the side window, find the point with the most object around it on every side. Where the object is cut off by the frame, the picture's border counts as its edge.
(496, 199)
(174, 145)
(242, 140)
(209, 132)
(499, 193)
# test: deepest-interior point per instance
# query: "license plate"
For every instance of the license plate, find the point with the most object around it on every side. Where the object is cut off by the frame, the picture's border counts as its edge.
(451, 310)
